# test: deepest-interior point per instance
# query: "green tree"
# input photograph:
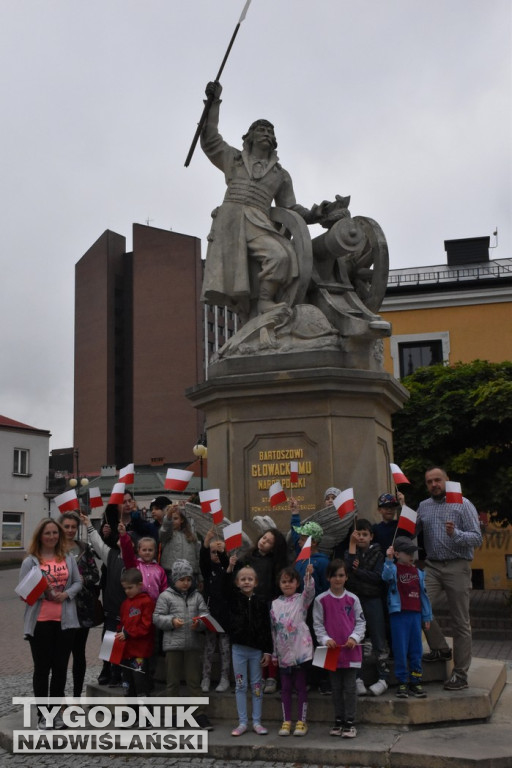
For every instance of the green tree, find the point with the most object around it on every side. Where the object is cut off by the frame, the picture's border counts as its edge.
(459, 417)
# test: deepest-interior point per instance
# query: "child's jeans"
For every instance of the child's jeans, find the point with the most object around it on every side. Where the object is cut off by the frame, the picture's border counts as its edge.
(407, 645)
(343, 683)
(247, 667)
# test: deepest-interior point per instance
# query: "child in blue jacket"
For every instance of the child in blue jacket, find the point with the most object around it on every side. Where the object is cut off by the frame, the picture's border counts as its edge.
(409, 608)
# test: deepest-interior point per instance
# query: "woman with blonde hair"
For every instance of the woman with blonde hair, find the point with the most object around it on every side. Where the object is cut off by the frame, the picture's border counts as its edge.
(49, 623)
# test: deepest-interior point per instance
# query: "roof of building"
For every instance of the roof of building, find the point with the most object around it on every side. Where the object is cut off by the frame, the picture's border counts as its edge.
(443, 275)
(12, 424)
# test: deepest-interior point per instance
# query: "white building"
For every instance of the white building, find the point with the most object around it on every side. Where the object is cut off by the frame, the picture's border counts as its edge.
(24, 453)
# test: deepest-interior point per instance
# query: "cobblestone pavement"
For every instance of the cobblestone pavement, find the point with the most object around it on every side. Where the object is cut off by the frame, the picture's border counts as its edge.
(16, 680)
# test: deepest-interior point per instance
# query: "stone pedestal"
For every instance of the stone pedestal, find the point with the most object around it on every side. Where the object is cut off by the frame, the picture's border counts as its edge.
(334, 421)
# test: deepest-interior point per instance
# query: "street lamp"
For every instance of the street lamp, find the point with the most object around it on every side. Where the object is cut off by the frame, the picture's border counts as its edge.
(201, 452)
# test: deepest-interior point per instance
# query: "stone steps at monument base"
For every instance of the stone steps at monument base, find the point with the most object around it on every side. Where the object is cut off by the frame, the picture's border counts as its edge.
(487, 679)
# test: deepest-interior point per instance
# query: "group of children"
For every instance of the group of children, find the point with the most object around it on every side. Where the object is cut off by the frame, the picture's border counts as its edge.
(270, 616)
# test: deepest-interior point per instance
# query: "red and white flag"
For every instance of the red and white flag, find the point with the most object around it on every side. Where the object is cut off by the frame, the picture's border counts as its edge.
(407, 520)
(398, 475)
(345, 502)
(32, 586)
(216, 512)
(206, 498)
(177, 479)
(67, 501)
(127, 474)
(233, 535)
(276, 494)
(305, 552)
(294, 471)
(117, 495)
(327, 658)
(95, 499)
(453, 492)
(111, 649)
(210, 623)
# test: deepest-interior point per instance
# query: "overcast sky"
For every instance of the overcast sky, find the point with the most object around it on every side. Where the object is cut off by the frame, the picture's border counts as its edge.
(404, 105)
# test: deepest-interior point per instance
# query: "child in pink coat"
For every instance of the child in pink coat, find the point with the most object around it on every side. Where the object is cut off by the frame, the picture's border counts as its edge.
(154, 578)
(292, 643)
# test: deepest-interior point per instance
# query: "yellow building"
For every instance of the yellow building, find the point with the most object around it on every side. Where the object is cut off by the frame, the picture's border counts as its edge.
(458, 311)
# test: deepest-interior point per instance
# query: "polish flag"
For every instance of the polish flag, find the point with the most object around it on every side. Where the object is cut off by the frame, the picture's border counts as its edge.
(95, 499)
(67, 501)
(111, 649)
(233, 535)
(398, 475)
(453, 493)
(344, 502)
(305, 552)
(127, 474)
(116, 497)
(206, 498)
(407, 520)
(276, 494)
(177, 479)
(209, 622)
(32, 586)
(216, 512)
(327, 658)
(294, 471)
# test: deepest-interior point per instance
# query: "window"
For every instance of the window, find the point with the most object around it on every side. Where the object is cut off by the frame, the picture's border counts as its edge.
(415, 350)
(416, 355)
(12, 530)
(20, 466)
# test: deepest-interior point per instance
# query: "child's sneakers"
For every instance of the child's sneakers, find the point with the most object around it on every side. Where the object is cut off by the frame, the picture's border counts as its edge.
(402, 691)
(337, 728)
(349, 731)
(259, 729)
(239, 730)
(270, 685)
(300, 729)
(205, 684)
(223, 685)
(417, 690)
(378, 688)
(285, 728)
(361, 688)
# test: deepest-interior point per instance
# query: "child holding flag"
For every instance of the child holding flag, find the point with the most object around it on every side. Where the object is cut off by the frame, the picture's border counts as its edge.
(136, 632)
(177, 614)
(409, 607)
(292, 643)
(339, 622)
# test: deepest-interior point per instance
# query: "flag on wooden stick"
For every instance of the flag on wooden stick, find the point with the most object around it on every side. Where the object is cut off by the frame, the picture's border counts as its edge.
(233, 535)
(326, 657)
(345, 502)
(177, 479)
(453, 492)
(276, 494)
(67, 501)
(398, 475)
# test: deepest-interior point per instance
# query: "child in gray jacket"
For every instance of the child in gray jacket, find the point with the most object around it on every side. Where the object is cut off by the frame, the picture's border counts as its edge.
(176, 612)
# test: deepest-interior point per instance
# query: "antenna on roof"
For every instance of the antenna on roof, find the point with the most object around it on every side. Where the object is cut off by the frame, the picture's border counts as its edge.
(495, 234)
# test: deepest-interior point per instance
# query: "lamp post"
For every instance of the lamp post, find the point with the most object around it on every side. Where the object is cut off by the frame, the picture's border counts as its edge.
(201, 452)
(83, 481)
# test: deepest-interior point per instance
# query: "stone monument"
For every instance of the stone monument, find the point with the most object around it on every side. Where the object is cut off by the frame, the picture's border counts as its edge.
(303, 378)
